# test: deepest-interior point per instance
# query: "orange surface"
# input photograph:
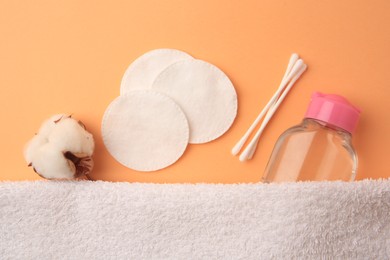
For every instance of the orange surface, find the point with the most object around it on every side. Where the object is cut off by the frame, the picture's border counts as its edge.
(69, 56)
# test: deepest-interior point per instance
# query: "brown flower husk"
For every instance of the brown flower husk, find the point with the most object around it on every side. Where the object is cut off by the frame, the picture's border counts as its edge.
(81, 164)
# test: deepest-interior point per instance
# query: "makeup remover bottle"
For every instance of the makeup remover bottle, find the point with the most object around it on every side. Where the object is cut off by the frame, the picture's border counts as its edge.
(320, 147)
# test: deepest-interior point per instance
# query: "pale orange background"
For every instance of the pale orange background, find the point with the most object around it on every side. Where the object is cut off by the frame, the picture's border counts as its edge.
(69, 56)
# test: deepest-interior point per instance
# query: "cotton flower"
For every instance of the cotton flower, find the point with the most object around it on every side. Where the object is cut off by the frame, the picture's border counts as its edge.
(62, 149)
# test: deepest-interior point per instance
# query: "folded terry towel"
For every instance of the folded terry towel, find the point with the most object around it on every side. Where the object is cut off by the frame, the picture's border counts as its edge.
(102, 220)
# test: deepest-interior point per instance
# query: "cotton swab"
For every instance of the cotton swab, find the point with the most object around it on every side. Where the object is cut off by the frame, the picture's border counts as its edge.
(293, 59)
(250, 149)
(293, 66)
(236, 149)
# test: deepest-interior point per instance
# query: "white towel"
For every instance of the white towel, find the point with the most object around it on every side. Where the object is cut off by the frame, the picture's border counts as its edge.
(102, 220)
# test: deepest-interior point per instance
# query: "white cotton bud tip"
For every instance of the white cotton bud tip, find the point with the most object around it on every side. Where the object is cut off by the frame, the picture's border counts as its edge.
(62, 149)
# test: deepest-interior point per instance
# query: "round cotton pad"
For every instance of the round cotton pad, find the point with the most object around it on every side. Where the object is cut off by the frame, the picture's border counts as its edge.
(145, 130)
(144, 70)
(205, 94)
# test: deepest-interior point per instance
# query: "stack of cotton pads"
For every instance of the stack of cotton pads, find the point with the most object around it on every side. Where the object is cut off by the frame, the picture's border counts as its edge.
(167, 100)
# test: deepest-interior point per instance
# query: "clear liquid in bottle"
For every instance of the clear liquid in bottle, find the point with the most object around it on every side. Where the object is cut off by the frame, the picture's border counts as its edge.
(320, 147)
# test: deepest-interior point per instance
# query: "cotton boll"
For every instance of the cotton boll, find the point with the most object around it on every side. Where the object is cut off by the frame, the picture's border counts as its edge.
(62, 149)
(70, 135)
(32, 146)
(50, 163)
(82, 163)
(49, 124)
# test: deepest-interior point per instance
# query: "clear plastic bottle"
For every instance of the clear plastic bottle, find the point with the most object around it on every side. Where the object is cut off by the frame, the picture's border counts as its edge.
(320, 147)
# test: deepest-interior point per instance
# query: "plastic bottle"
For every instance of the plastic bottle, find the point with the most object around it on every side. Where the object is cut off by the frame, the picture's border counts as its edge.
(320, 147)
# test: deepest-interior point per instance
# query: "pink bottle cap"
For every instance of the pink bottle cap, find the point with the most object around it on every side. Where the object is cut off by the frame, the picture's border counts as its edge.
(334, 110)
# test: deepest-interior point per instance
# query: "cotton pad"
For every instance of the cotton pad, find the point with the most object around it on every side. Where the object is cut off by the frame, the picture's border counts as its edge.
(205, 94)
(143, 71)
(145, 130)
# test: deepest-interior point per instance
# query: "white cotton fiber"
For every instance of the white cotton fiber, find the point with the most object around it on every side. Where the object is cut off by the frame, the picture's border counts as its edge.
(205, 94)
(167, 100)
(69, 135)
(49, 124)
(50, 162)
(62, 149)
(145, 130)
(143, 71)
(32, 146)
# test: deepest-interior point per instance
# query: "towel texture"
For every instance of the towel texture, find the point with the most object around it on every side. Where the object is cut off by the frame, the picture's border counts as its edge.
(102, 220)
